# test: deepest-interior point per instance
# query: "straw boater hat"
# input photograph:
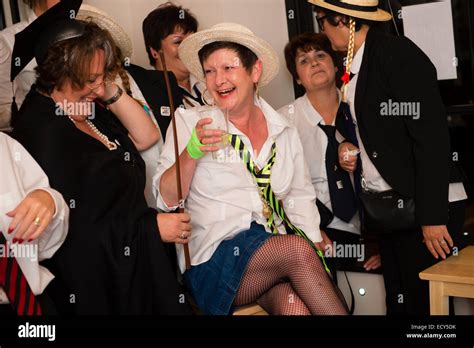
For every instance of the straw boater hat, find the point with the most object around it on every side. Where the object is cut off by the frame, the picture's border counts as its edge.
(189, 48)
(104, 21)
(364, 9)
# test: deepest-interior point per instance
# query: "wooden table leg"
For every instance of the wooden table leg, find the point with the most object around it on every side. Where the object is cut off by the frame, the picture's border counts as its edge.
(439, 301)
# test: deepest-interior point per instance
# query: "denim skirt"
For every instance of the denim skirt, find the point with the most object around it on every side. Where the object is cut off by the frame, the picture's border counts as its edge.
(214, 283)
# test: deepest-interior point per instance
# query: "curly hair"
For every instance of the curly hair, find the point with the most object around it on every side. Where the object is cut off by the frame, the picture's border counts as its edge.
(69, 60)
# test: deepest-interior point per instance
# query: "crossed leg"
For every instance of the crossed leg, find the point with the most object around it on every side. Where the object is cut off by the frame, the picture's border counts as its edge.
(281, 299)
(287, 265)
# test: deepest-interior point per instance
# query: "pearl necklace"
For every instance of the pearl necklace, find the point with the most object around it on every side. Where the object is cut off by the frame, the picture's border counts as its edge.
(110, 145)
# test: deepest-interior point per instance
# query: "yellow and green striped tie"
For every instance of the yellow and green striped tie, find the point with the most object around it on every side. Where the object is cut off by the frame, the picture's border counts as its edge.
(262, 177)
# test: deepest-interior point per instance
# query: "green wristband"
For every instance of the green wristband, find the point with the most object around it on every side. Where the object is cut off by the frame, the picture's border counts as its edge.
(194, 145)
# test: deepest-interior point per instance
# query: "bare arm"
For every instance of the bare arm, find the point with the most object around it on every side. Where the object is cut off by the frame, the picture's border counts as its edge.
(131, 114)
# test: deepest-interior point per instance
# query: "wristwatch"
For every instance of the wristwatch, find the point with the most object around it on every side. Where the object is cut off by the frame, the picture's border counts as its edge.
(114, 98)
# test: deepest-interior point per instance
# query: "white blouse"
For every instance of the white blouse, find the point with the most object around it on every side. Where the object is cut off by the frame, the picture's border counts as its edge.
(20, 175)
(224, 199)
(306, 119)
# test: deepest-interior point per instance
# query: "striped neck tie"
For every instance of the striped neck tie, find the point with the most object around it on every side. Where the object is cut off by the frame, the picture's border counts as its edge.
(15, 284)
(262, 177)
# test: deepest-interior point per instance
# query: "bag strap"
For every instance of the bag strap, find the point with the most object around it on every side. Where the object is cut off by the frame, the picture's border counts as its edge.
(351, 310)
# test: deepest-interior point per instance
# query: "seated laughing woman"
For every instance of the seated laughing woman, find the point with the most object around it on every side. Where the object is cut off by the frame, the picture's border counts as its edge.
(248, 243)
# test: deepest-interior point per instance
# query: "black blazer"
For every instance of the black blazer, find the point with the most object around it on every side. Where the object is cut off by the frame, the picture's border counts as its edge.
(152, 85)
(412, 155)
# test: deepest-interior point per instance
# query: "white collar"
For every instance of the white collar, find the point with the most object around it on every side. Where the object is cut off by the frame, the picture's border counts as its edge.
(311, 114)
(276, 123)
(357, 60)
(193, 81)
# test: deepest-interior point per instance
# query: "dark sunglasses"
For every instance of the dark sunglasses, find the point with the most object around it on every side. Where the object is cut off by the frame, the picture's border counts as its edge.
(320, 21)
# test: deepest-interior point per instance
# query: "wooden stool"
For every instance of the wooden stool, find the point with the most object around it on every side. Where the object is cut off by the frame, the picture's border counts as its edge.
(451, 277)
(253, 309)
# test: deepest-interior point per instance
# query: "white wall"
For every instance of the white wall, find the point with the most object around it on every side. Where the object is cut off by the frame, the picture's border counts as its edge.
(266, 18)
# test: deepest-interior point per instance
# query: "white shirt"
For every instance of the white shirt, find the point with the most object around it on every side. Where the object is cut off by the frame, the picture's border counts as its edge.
(371, 174)
(24, 79)
(306, 119)
(20, 175)
(224, 199)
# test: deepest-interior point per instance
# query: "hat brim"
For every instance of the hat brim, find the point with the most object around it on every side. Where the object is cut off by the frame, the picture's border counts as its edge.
(379, 15)
(104, 21)
(189, 48)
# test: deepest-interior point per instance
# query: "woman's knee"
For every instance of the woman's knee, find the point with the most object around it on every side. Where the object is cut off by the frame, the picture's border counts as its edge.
(283, 300)
(301, 252)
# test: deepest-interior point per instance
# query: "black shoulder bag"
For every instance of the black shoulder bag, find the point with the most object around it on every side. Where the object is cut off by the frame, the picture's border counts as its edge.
(386, 211)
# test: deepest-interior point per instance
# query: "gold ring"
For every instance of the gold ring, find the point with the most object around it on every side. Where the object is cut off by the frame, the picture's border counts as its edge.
(443, 242)
(37, 221)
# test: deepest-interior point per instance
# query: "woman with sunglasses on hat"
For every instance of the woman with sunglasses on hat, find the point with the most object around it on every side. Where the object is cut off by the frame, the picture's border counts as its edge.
(86, 134)
(313, 64)
(253, 208)
(408, 153)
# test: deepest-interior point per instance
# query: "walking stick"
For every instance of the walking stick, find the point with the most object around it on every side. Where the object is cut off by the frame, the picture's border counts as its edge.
(176, 153)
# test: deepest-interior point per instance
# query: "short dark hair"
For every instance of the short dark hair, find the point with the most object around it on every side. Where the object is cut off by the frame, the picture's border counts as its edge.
(333, 18)
(162, 22)
(246, 56)
(70, 59)
(307, 42)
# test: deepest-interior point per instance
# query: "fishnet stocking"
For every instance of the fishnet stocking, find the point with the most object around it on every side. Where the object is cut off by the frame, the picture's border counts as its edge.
(289, 259)
(282, 299)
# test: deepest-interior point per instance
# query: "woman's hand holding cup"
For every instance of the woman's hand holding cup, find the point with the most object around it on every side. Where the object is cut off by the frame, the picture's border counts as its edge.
(210, 138)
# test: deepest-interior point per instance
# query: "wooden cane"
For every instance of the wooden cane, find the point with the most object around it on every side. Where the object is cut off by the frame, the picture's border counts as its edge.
(176, 152)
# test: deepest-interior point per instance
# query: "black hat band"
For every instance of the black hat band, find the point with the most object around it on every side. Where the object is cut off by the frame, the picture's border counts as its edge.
(352, 7)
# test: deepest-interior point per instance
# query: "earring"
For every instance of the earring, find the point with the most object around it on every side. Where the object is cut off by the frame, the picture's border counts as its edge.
(206, 100)
(256, 89)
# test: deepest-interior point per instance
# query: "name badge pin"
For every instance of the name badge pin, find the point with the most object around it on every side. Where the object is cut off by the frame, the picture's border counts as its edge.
(165, 111)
